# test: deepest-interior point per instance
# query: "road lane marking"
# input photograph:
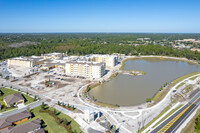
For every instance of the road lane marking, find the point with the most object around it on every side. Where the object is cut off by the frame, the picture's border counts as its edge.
(169, 124)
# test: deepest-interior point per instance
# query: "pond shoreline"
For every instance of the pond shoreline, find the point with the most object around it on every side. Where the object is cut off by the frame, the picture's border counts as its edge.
(122, 71)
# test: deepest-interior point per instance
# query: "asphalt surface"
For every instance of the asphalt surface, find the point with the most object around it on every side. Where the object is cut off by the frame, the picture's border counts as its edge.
(171, 124)
(31, 106)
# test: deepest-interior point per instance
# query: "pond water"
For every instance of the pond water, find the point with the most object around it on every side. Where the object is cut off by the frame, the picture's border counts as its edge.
(128, 90)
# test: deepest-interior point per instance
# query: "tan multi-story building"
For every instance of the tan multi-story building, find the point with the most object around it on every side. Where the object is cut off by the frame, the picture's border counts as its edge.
(109, 60)
(25, 61)
(86, 69)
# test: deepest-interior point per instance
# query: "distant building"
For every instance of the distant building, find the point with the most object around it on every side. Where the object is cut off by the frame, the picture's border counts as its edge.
(14, 119)
(60, 64)
(86, 69)
(195, 49)
(188, 40)
(25, 61)
(53, 56)
(109, 60)
(33, 126)
(143, 39)
(13, 100)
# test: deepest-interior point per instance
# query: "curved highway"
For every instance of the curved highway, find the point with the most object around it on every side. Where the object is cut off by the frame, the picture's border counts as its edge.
(171, 124)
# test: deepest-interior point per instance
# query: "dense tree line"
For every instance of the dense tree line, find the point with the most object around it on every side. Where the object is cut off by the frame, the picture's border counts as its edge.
(82, 44)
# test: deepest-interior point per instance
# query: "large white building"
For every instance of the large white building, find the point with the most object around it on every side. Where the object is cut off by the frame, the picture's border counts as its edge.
(86, 69)
(25, 61)
(109, 60)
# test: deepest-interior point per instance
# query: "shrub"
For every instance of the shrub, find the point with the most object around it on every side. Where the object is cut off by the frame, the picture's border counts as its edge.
(148, 100)
(161, 88)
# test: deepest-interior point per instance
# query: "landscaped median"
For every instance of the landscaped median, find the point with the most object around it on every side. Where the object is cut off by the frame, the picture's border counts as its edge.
(7, 92)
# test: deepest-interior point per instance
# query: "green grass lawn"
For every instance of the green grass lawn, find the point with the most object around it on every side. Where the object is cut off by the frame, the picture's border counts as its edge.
(193, 78)
(52, 126)
(6, 92)
(75, 125)
(28, 99)
(181, 84)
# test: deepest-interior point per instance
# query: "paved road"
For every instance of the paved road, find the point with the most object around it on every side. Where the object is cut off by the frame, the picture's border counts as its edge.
(171, 124)
(31, 106)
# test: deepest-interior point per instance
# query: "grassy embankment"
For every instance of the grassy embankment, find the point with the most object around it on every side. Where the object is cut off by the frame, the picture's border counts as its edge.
(96, 102)
(180, 85)
(113, 75)
(89, 87)
(193, 78)
(161, 94)
(6, 92)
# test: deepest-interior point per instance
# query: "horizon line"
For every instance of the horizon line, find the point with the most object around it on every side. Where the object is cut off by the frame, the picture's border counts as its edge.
(100, 32)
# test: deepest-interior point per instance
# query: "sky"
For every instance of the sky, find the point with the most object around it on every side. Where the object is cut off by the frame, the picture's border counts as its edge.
(149, 16)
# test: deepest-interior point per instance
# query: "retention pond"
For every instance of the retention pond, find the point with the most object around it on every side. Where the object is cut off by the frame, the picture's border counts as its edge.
(128, 90)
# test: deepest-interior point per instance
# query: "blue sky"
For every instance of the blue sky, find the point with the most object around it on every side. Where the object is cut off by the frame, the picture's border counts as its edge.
(180, 16)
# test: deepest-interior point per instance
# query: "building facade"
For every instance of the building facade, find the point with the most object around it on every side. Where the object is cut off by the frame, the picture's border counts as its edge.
(86, 69)
(25, 61)
(109, 60)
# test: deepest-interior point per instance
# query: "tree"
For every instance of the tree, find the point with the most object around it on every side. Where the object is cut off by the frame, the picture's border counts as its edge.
(197, 122)
(65, 121)
(161, 88)
(58, 102)
(148, 100)
(35, 98)
(43, 105)
(55, 112)
(63, 104)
